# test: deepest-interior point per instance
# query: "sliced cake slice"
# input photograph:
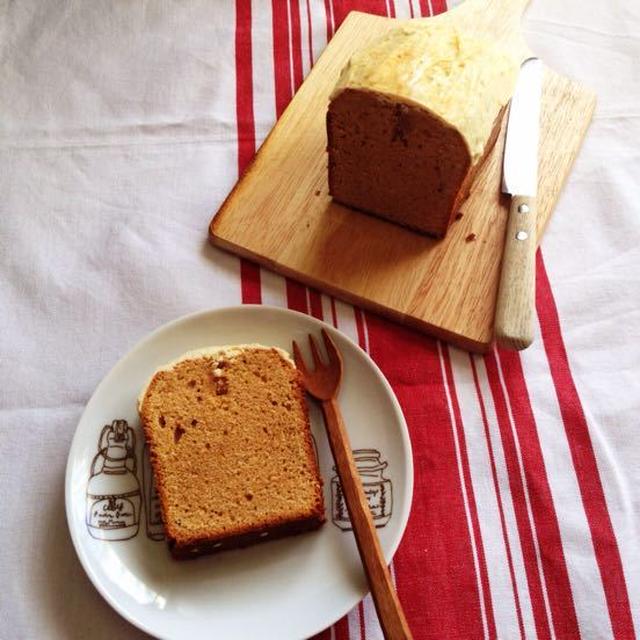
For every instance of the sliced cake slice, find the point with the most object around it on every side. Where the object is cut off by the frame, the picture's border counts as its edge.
(231, 449)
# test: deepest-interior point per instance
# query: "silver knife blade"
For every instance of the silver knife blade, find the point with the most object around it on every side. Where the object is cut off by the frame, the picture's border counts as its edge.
(520, 162)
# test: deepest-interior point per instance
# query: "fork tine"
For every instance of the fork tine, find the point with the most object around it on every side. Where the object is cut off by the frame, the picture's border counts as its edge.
(317, 360)
(335, 358)
(298, 359)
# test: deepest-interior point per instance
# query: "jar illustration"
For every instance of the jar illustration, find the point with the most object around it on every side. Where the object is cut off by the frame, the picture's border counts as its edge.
(155, 528)
(113, 491)
(377, 489)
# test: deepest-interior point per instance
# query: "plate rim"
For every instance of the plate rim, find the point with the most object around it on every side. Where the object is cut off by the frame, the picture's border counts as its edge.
(148, 337)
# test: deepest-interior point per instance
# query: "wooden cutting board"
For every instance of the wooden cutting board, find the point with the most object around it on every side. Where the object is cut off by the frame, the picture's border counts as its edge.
(281, 216)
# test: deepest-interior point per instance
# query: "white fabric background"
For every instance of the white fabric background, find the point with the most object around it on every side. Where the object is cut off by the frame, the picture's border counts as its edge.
(117, 142)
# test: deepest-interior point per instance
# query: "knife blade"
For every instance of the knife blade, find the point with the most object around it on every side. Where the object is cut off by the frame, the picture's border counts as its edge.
(520, 161)
(515, 304)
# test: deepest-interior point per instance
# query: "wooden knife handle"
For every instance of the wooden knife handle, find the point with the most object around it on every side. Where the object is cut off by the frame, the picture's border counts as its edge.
(516, 295)
(390, 614)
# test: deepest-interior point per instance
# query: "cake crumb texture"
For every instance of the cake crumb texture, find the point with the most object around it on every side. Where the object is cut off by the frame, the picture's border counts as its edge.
(231, 450)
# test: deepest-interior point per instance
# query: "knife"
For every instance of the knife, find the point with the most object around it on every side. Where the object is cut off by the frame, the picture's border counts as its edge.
(516, 294)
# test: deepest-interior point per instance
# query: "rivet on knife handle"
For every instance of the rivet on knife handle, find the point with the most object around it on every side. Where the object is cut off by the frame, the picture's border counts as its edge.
(516, 295)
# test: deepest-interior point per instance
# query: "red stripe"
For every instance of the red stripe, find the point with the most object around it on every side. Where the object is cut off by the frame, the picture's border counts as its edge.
(584, 460)
(296, 43)
(339, 11)
(438, 6)
(341, 629)
(249, 272)
(250, 282)
(392, 9)
(363, 633)
(527, 544)
(496, 487)
(244, 86)
(410, 8)
(323, 635)
(296, 296)
(281, 55)
(315, 300)
(473, 509)
(556, 575)
(434, 566)
(341, 8)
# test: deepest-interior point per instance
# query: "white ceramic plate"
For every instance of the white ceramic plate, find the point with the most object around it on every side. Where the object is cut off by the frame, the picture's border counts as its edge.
(290, 588)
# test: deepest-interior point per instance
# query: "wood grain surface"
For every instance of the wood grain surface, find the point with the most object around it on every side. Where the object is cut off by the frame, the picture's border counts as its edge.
(516, 294)
(281, 216)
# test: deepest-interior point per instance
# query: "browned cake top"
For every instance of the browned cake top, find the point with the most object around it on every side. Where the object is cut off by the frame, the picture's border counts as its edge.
(461, 79)
(230, 444)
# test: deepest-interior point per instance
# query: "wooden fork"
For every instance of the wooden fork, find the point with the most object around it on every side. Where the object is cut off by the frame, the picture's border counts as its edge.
(323, 384)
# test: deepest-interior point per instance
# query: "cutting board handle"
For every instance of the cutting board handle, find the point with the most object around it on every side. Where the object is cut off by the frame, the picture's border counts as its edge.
(499, 20)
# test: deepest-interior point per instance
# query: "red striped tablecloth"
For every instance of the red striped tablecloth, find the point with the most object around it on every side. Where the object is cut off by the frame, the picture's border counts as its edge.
(510, 533)
(124, 125)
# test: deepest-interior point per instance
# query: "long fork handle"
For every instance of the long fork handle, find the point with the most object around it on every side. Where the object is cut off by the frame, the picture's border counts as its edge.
(390, 614)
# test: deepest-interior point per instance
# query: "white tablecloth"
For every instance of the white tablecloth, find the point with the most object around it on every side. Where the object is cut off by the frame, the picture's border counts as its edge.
(119, 138)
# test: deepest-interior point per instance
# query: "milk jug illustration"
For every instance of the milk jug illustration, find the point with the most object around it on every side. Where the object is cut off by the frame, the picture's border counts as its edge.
(113, 492)
(155, 529)
(377, 489)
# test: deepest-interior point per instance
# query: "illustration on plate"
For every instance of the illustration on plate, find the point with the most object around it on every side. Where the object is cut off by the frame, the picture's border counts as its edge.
(113, 491)
(377, 489)
(155, 529)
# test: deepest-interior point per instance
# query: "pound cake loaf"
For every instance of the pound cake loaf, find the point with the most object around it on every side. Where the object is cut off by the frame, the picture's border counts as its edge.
(231, 449)
(411, 120)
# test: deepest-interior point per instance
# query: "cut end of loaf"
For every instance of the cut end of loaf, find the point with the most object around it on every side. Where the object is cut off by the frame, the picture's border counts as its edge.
(231, 450)
(399, 161)
(395, 160)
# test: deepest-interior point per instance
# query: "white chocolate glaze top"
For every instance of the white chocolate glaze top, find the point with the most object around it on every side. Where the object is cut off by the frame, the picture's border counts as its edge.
(223, 352)
(463, 80)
